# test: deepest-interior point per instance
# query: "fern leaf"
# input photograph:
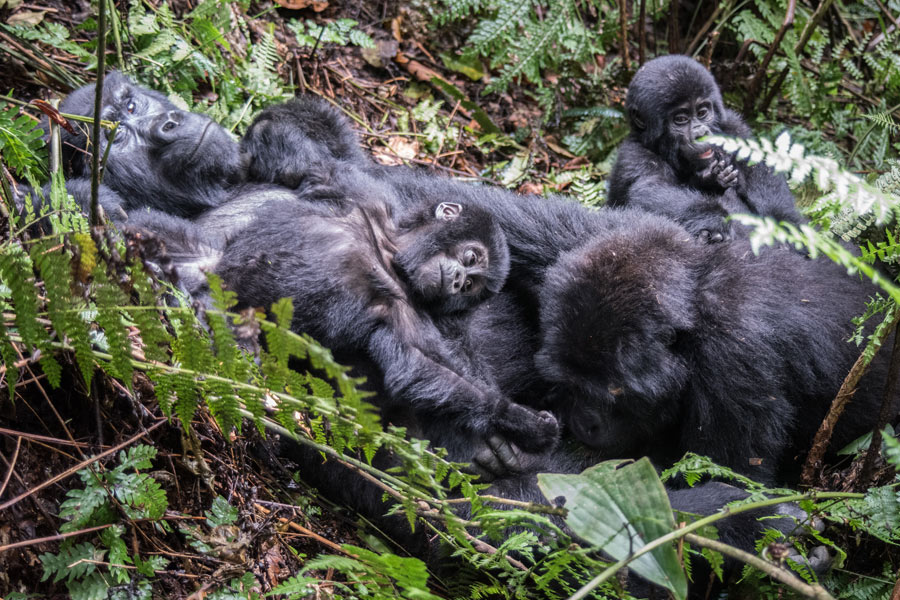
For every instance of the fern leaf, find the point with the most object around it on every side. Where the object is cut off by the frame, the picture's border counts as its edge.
(533, 48)
(490, 31)
(109, 298)
(64, 307)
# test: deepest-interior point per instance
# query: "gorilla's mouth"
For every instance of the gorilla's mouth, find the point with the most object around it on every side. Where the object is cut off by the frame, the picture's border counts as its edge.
(706, 154)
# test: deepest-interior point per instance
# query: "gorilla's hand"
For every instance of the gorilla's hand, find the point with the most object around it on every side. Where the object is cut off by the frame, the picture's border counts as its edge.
(719, 172)
(531, 430)
(796, 523)
(496, 457)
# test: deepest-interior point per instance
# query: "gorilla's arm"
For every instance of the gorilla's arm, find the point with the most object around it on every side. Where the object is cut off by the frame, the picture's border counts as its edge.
(439, 394)
(765, 192)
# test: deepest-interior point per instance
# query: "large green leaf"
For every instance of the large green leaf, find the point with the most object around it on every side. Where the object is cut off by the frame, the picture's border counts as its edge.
(620, 511)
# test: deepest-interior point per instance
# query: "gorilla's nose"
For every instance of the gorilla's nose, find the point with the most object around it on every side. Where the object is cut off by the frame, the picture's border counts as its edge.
(700, 131)
(170, 121)
(457, 278)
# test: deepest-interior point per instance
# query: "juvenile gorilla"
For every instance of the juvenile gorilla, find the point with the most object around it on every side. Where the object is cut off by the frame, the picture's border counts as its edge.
(366, 283)
(661, 167)
(658, 346)
(287, 143)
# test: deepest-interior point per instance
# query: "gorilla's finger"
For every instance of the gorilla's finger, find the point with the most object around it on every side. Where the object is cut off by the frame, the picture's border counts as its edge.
(818, 560)
(497, 457)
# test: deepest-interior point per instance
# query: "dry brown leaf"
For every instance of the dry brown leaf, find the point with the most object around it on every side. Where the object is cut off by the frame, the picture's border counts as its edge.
(317, 5)
(421, 72)
(399, 149)
(531, 188)
(383, 52)
(26, 17)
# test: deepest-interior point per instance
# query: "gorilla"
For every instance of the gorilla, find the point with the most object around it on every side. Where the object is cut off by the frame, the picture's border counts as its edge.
(366, 279)
(384, 271)
(494, 344)
(657, 345)
(163, 158)
(366, 284)
(286, 142)
(661, 167)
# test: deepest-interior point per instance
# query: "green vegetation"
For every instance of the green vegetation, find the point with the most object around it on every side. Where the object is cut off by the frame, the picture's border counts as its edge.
(81, 314)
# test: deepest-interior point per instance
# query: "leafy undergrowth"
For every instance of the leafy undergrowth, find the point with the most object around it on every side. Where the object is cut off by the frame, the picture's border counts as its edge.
(104, 494)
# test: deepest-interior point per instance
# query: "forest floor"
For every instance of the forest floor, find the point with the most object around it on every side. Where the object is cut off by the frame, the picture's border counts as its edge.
(47, 435)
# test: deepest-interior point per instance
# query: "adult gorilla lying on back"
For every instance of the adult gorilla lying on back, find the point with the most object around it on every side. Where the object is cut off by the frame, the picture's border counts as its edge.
(163, 158)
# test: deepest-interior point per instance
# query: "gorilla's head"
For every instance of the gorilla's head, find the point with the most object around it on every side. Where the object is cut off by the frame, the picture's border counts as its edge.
(671, 102)
(161, 157)
(615, 316)
(453, 256)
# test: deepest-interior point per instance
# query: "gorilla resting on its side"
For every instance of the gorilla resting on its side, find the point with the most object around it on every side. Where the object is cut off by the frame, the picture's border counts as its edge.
(661, 167)
(658, 345)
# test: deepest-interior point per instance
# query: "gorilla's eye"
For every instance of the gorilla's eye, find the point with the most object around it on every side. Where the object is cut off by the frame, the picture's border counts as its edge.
(470, 258)
(130, 107)
(168, 126)
(680, 119)
(467, 286)
(702, 112)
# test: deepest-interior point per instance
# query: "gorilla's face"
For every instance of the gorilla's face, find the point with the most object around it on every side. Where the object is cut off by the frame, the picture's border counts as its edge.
(158, 156)
(624, 388)
(688, 122)
(452, 258)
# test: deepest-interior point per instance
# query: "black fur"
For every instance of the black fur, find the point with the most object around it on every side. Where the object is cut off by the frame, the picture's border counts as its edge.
(671, 102)
(178, 162)
(285, 142)
(658, 345)
(348, 273)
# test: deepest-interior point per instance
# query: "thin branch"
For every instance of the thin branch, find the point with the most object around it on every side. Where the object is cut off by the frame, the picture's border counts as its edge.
(756, 82)
(623, 25)
(823, 435)
(776, 572)
(75, 468)
(884, 415)
(798, 48)
(98, 105)
(698, 524)
(642, 33)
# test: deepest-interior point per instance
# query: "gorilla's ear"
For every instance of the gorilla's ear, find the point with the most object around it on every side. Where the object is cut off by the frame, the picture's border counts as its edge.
(447, 211)
(636, 120)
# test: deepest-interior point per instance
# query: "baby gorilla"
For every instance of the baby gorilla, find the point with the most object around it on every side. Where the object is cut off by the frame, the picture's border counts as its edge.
(366, 284)
(663, 168)
(660, 346)
(163, 158)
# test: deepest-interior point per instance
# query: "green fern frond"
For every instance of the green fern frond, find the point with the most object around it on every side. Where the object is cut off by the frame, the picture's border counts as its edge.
(64, 307)
(21, 144)
(489, 32)
(783, 156)
(455, 10)
(534, 48)
(109, 298)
